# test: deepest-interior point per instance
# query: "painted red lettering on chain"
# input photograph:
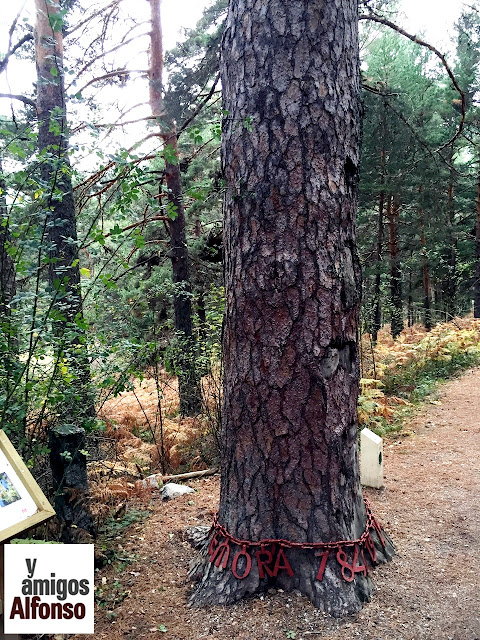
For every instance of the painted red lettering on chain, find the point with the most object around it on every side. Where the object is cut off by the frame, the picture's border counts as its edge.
(221, 554)
(323, 563)
(248, 563)
(286, 565)
(212, 546)
(349, 570)
(263, 565)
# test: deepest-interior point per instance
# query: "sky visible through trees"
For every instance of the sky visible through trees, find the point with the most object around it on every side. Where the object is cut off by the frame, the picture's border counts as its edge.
(434, 18)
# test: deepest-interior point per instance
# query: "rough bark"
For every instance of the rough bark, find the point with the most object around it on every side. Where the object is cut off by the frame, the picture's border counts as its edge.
(476, 288)
(60, 227)
(70, 483)
(292, 275)
(188, 376)
(54, 169)
(396, 297)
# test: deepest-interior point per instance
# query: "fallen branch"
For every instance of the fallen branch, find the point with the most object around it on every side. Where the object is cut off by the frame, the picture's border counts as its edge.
(192, 474)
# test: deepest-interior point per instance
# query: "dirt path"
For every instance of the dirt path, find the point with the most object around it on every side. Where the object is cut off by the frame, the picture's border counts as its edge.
(430, 591)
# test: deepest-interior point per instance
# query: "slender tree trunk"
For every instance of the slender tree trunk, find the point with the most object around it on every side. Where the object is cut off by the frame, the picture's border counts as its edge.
(476, 288)
(7, 266)
(8, 289)
(292, 275)
(396, 301)
(188, 376)
(63, 270)
(451, 280)
(377, 314)
(427, 318)
(438, 301)
(410, 311)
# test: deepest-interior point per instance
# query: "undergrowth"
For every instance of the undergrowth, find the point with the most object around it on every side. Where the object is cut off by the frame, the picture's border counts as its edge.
(114, 527)
(399, 375)
(109, 595)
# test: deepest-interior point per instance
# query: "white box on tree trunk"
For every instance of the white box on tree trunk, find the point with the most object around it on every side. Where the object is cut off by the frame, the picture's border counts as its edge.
(371, 459)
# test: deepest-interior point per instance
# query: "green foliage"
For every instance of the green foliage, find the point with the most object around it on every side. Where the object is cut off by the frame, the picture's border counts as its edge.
(56, 20)
(424, 376)
(410, 368)
(411, 112)
(113, 528)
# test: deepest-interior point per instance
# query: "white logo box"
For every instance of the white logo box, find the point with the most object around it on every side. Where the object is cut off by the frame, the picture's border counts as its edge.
(49, 588)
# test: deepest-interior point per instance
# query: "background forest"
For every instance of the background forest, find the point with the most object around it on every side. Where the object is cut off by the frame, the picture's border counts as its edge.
(111, 245)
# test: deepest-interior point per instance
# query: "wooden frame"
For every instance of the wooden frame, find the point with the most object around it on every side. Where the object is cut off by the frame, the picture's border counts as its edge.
(30, 487)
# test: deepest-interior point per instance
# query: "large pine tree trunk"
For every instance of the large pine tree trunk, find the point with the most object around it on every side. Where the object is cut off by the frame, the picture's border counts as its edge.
(290, 155)
(63, 268)
(188, 376)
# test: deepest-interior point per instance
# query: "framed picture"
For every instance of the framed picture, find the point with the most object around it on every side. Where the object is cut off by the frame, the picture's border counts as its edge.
(22, 502)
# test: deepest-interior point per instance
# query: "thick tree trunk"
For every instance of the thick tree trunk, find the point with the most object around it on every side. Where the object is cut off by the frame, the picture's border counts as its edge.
(396, 297)
(188, 376)
(60, 227)
(476, 288)
(290, 155)
(70, 482)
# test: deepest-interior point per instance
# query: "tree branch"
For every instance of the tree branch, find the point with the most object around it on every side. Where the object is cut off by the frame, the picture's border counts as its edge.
(23, 99)
(134, 225)
(102, 55)
(3, 63)
(93, 15)
(105, 125)
(112, 74)
(378, 19)
(200, 106)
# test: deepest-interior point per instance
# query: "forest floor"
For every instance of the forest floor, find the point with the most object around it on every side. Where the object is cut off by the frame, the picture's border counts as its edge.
(430, 591)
